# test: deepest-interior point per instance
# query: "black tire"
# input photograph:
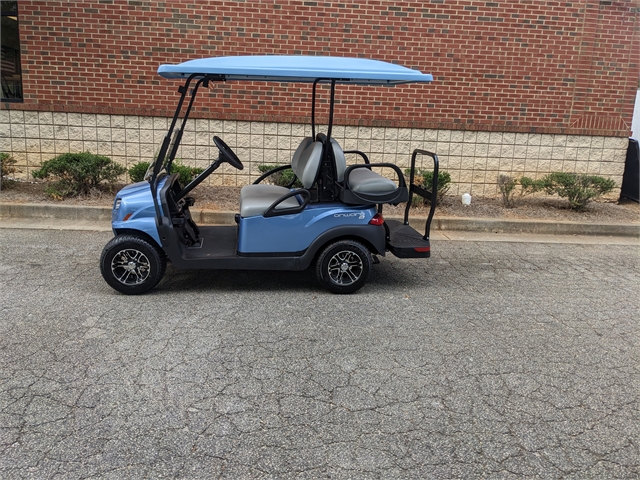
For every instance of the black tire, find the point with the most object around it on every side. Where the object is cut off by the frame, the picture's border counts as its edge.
(131, 264)
(344, 266)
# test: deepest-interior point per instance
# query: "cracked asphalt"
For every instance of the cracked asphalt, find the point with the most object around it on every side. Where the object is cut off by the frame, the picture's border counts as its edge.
(489, 360)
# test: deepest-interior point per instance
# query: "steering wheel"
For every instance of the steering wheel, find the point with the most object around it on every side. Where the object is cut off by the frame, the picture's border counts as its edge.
(227, 154)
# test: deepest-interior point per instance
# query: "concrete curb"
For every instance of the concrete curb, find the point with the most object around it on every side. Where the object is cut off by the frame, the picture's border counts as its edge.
(210, 217)
(538, 227)
(61, 212)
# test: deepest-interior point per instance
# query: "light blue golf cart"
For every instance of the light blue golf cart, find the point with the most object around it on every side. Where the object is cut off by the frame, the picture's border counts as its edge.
(334, 221)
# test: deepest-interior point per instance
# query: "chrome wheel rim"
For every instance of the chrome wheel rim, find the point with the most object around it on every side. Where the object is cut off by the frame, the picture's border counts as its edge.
(130, 267)
(345, 268)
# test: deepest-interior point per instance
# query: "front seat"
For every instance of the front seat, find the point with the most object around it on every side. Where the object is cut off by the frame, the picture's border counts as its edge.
(256, 199)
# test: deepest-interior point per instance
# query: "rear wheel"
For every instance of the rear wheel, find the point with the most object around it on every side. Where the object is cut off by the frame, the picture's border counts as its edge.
(344, 266)
(131, 264)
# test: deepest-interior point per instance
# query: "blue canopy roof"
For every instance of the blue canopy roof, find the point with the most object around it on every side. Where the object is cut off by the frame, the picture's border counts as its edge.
(292, 68)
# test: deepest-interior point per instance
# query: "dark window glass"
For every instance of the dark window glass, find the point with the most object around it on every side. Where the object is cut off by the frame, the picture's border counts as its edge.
(10, 41)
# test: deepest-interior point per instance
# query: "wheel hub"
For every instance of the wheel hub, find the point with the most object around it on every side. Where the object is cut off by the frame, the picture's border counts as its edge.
(345, 267)
(130, 266)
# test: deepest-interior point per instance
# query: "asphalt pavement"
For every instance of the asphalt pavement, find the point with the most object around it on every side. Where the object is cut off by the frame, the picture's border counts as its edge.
(489, 360)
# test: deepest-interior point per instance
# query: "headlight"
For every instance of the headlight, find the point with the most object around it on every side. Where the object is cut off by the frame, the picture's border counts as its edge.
(116, 206)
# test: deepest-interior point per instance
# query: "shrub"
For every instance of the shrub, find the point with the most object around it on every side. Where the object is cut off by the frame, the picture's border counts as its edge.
(530, 186)
(577, 189)
(507, 186)
(508, 189)
(425, 178)
(7, 166)
(186, 173)
(283, 178)
(138, 171)
(78, 173)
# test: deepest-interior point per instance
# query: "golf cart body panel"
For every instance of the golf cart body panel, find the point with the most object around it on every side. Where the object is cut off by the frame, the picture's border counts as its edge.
(133, 210)
(334, 220)
(295, 233)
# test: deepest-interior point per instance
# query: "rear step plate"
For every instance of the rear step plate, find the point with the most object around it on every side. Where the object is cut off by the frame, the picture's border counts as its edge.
(405, 242)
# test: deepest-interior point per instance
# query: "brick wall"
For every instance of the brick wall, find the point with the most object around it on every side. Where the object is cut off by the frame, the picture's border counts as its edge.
(512, 66)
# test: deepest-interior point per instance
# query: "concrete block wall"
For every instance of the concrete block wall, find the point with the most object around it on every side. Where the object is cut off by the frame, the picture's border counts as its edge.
(473, 158)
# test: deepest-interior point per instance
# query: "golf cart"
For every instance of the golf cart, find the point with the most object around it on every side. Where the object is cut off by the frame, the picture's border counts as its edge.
(333, 221)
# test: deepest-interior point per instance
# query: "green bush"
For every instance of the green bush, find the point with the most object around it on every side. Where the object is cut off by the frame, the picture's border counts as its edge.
(78, 173)
(186, 173)
(508, 188)
(138, 171)
(425, 179)
(529, 185)
(283, 178)
(578, 189)
(7, 166)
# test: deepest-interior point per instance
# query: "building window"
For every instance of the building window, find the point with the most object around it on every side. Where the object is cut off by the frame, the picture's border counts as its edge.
(10, 70)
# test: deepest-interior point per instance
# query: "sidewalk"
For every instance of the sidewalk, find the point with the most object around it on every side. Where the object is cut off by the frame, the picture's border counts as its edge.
(74, 217)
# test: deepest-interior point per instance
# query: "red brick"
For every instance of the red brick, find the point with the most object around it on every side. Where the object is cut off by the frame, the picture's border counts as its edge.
(559, 62)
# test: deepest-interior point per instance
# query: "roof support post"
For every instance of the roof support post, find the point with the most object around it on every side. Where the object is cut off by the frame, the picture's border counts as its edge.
(313, 109)
(331, 103)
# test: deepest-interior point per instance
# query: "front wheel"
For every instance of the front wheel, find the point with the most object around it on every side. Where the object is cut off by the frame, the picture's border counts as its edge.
(344, 266)
(131, 264)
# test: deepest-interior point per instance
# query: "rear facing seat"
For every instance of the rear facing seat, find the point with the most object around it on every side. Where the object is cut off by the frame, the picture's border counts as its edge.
(361, 184)
(363, 180)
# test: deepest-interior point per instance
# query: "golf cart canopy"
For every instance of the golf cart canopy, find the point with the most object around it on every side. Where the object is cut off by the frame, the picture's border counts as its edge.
(297, 68)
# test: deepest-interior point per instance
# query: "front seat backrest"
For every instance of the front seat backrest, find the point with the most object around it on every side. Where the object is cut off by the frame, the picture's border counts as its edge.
(306, 169)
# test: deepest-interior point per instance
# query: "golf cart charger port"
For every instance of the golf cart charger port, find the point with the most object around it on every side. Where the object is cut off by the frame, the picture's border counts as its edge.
(334, 219)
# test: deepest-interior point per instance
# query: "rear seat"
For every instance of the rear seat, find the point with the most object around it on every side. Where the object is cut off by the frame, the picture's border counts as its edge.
(361, 184)
(363, 180)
